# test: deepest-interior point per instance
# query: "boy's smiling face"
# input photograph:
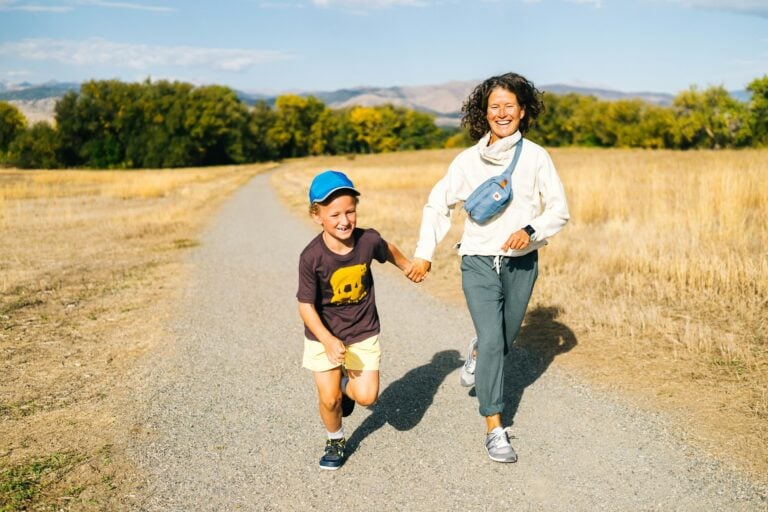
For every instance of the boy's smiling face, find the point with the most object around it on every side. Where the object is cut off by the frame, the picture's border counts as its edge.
(338, 218)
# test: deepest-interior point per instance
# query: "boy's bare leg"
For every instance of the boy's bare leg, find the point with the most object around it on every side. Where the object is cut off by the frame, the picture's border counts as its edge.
(329, 393)
(363, 386)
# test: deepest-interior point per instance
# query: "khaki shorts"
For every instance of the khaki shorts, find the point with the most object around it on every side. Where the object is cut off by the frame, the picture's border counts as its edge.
(363, 355)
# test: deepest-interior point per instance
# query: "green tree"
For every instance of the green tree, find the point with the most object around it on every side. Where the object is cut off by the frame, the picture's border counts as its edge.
(12, 124)
(323, 132)
(656, 127)
(96, 124)
(71, 130)
(291, 133)
(568, 119)
(36, 148)
(217, 122)
(551, 128)
(710, 119)
(457, 138)
(344, 139)
(758, 110)
(257, 142)
(162, 124)
(634, 123)
(160, 137)
(376, 128)
(418, 130)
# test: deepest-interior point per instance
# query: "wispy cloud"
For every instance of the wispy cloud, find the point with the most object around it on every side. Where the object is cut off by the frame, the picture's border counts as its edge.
(97, 51)
(68, 6)
(358, 4)
(751, 7)
(126, 5)
(596, 3)
(17, 73)
(281, 5)
(15, 5)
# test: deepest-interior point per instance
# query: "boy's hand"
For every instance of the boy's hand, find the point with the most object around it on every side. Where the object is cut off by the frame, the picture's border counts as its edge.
(335, 351)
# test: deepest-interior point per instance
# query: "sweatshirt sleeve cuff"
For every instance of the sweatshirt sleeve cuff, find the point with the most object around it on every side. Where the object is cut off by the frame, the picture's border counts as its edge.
(423, 253)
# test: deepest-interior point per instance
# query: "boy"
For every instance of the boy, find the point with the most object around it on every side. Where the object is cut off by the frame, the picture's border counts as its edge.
(338, 306)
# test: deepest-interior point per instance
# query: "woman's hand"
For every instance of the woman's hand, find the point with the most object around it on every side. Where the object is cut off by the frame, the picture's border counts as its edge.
(419, 270)
(517, 240)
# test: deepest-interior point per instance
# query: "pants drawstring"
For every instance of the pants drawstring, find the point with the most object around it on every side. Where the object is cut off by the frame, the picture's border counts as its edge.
(497, 263)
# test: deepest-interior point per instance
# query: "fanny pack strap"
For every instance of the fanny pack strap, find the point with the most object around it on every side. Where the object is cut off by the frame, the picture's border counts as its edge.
(508, 171)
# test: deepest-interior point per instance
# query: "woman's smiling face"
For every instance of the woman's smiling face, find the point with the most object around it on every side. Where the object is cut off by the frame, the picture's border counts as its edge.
(503, 114)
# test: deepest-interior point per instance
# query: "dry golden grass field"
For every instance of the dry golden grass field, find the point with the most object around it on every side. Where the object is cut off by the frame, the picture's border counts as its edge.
(662, 274)
(89, 264)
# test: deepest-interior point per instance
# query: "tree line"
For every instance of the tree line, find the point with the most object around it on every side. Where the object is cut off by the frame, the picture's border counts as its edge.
(112, 124)
(696, 119)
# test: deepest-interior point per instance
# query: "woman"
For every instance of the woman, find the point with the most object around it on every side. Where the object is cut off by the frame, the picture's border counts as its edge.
(499, 259)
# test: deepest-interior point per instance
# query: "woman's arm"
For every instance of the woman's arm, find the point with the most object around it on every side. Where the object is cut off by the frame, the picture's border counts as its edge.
(436, 215)
(555, 214)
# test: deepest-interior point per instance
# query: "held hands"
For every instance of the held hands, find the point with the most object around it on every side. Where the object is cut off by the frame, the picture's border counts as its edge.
(419, 269)
(517, 240)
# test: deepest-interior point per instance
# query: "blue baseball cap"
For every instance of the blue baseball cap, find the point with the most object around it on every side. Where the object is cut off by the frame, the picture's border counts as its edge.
(328, 182)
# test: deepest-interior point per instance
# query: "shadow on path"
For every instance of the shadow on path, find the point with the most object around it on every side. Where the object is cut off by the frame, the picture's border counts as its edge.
(541, 339)
(406, 400)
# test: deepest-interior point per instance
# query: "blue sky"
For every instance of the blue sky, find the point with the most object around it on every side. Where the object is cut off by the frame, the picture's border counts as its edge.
(319, 45)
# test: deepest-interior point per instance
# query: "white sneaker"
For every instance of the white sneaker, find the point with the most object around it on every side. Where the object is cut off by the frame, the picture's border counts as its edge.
(498, 447)
(468, 370)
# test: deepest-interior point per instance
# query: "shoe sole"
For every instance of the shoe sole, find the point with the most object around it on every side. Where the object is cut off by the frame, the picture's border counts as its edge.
(330, 468)
(507, 461)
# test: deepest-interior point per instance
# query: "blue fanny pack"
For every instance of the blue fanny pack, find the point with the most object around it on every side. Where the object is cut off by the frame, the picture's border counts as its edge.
(493, 195)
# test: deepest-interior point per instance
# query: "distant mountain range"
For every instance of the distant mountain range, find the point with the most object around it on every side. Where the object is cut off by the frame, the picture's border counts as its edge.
(443, 100)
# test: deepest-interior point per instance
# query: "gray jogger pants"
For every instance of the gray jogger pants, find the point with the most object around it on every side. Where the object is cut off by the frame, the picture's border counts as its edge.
(497, 297)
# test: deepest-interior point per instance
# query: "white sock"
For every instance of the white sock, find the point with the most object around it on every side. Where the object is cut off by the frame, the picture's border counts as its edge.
(336, 435)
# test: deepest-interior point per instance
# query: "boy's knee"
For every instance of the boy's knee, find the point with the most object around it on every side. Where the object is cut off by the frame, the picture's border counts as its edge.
(330, 402)
(366, 398)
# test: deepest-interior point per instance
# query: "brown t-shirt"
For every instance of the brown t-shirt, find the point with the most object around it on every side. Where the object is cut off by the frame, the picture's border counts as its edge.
(341, 287)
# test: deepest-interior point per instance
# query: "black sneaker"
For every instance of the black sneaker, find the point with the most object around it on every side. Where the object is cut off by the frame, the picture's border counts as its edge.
(347, 404)
(333, 457)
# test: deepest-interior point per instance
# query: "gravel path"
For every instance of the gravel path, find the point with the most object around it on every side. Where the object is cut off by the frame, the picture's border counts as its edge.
(233, 422)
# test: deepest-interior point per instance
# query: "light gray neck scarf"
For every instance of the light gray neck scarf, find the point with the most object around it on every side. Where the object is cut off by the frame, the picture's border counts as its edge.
(500, 151)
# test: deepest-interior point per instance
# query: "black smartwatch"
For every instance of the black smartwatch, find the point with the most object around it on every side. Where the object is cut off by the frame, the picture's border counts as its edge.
(528, 229)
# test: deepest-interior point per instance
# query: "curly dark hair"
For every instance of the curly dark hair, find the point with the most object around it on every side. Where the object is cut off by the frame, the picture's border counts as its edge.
(475, 109)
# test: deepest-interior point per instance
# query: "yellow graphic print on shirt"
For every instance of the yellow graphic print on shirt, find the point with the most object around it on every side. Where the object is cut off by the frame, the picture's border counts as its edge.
(347, 284)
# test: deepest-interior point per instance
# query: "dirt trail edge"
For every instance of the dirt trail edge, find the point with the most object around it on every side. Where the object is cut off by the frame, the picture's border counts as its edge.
(230, 420)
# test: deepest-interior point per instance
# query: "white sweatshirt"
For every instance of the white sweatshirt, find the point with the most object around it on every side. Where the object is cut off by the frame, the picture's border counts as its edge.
(538, 199)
